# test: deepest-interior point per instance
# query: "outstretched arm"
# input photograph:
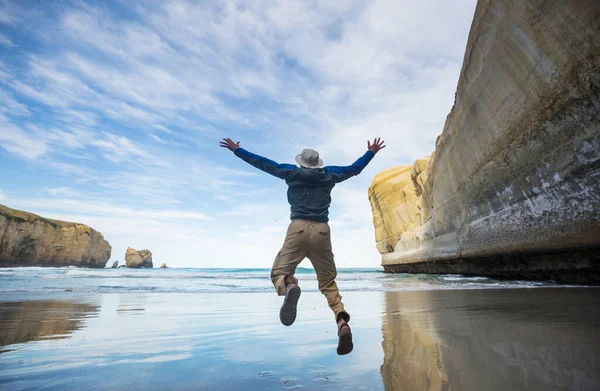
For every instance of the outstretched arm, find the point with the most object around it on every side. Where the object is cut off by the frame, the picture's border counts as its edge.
(270, 167)
(340, 174)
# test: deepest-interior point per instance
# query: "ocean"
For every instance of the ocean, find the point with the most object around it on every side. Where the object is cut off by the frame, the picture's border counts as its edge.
(192, 280)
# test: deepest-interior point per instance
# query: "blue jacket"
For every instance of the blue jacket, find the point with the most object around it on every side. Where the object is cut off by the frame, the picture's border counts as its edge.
(309, 191)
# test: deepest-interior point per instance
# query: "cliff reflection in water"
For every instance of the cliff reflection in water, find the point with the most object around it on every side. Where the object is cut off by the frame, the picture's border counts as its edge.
(26, 321)
(492, 340)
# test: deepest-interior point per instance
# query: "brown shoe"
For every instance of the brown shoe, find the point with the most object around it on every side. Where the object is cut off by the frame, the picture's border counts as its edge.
(345, 345)
(287, 313)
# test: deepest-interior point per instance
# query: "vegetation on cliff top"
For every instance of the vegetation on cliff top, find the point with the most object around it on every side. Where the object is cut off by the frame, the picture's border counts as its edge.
(26, 217)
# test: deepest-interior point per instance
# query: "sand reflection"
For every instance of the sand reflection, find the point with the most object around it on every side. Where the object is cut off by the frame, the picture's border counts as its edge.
(27, 321)
(492, 340)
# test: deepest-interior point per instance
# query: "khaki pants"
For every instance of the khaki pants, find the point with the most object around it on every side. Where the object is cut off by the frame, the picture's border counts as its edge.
(312, 240)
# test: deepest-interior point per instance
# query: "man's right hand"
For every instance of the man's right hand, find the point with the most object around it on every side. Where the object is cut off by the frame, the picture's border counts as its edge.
(376, 146)
(229, 144)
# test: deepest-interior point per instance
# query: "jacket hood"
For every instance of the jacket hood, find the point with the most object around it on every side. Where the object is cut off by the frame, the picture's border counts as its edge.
(312, 175)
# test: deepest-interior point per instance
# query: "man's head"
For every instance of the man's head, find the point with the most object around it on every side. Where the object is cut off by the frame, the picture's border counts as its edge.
(309, 158)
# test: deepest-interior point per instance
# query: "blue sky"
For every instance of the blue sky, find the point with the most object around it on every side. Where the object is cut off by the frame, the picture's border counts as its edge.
(111, 113)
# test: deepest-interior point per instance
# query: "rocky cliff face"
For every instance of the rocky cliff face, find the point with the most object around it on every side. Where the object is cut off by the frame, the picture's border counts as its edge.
(30, 240)
(395, 197)
(513, 188)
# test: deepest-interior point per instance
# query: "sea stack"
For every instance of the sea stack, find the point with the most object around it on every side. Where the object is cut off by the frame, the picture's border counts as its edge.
(27, 239)
(163, 265)
(138, 259)
(512, 187)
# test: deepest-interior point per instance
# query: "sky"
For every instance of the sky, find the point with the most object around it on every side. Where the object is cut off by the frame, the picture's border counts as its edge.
(111, 113)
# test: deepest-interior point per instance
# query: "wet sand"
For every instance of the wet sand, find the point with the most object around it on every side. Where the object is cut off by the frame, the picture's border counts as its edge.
(536, 339)
(440, 340)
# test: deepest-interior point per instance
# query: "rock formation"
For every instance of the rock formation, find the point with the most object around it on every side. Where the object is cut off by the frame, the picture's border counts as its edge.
(513, 188)
(147, 258)
(163, 265)
(27, 239)
(115, 265)
(138, 259)
(396, 204)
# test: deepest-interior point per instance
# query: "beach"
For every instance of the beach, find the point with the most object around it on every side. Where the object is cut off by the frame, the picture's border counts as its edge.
(409, 333)
(451, 147)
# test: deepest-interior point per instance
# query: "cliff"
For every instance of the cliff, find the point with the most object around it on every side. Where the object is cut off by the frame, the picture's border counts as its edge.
(512, 189)
(27, 239)
(395, 199)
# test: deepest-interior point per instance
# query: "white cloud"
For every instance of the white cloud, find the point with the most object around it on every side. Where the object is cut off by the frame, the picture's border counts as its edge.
(5, 41)
(9, 13)
(87, 206)
(77, 172)
(63, 192)
(248, 210)
(237, 173)
(158, 139)
(10, 106)
(124, 112)
(117, 148)
(19, 142)
(82, 118)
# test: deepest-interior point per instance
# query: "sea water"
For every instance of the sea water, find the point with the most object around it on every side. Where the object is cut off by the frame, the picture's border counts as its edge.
(196, 280)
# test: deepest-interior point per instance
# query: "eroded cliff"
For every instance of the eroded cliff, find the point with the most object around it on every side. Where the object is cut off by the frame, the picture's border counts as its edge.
(27, 239)
(513, 186)
(395, 197)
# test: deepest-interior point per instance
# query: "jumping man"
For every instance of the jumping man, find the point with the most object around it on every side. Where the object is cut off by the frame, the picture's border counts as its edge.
(308, 236)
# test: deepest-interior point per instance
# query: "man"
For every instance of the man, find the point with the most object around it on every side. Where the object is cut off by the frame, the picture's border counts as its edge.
(308, 236)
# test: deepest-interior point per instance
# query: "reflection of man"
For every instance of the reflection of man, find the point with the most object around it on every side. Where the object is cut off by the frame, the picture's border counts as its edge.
(308, 236)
